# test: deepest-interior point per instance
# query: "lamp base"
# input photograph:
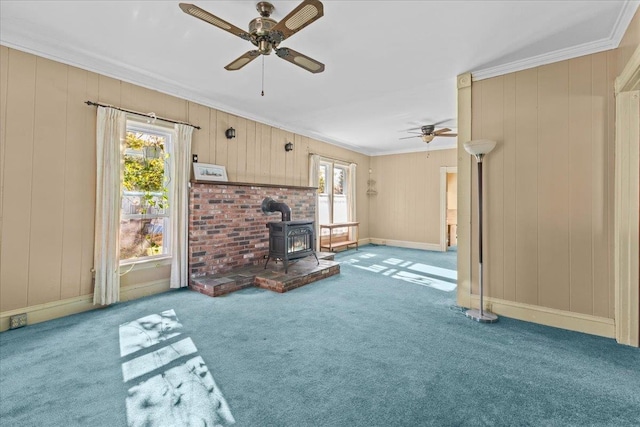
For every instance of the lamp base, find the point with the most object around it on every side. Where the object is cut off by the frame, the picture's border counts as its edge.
(484, 317)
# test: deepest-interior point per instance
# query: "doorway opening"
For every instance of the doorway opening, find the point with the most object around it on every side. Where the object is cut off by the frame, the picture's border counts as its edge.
(448, 208)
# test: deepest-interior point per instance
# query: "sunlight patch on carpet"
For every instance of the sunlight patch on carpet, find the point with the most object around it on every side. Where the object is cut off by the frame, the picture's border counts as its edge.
(148, 331)
(185, 394)
(157, 359)
(425, 281)
(442, 279)
(182, 396)
(435, 271)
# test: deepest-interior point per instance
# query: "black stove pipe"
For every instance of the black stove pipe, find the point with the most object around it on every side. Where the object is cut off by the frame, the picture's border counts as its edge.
(269, 205)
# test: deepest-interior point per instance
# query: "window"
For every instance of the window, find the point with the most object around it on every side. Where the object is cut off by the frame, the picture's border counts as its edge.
(333, 207)
(144, 219)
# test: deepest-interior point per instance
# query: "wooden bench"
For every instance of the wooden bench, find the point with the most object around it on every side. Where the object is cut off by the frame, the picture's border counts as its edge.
(334, 245)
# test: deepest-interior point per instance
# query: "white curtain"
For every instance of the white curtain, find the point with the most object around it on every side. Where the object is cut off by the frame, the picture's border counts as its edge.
(351, 197)
(314, 181)
(110, 135)
(179, 205)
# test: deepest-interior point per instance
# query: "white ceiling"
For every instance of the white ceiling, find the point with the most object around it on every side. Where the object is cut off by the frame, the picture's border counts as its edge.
(390, 65)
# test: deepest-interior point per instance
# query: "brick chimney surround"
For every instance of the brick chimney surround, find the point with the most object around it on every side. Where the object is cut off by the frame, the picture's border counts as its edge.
(227, 228)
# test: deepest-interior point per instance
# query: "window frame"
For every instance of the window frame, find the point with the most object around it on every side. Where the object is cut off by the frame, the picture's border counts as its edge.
(329, 193)
(134, 124)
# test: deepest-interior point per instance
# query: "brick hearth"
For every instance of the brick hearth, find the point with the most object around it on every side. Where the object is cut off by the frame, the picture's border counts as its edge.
(273, 278)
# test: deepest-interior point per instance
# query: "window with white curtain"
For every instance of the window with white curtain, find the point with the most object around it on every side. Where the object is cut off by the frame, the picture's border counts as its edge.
(145, 227)
(333, 195)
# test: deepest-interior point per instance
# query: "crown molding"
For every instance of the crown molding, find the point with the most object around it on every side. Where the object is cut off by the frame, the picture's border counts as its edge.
(613, 41)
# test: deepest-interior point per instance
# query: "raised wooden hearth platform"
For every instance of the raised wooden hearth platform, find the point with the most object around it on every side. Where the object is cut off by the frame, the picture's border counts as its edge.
(273, 278)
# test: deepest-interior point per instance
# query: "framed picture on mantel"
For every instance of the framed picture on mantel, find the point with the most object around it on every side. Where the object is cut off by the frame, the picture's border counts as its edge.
(207, 172)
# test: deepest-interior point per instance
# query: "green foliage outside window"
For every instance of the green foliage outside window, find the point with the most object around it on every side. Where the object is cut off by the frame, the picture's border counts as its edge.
(145, 172)
(146, 195)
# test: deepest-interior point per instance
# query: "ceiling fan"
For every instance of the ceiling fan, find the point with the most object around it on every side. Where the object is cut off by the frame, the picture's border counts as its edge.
(429, 132)
(266, 33)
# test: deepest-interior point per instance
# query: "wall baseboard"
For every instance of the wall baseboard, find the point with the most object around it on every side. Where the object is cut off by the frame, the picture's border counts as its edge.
(404, 244)
(578, 322)
(53, 310)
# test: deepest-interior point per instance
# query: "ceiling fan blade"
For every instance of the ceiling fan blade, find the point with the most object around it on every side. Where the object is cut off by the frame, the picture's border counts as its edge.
(448, 134)
(195, 11)
(307, 12)
(243, 60)
(439, 131)
(300, 60)
(408, 137)
(442, 121)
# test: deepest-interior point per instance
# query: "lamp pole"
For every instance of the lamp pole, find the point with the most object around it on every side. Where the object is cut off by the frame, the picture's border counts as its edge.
(479, 149)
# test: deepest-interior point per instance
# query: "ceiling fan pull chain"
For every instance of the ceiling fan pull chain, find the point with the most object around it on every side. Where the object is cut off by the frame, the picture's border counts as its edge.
(262, 75)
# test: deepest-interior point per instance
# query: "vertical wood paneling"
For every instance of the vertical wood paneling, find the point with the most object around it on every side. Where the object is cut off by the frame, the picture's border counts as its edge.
(492, 128)
(554, 128)
(411, 203)
(47, 195)
(406, 207)
(232, 151)
(222, 143)
(580, 185)
(553, 190)
(611, 113)
(214, 138)
(278, 157)
(300, 164)
(4, 86)
(199, 116)
(527, 187)
(265, 156)
(241, 148)
(252, 151)
(509, 183)
(599, 187)
(88, 121)
(109, 90)
(76, 168)
(476, 132)
(17, 170)
(289, 158)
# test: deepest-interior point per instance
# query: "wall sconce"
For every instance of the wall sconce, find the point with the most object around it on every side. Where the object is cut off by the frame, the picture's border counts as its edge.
(230, 133)
(288, 146)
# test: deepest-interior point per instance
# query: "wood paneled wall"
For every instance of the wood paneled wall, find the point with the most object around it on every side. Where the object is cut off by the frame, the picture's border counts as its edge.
(549, 184)
(407, 206)
(47, 179)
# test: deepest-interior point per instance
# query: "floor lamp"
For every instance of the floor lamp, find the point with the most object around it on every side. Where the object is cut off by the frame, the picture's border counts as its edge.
(479, 148)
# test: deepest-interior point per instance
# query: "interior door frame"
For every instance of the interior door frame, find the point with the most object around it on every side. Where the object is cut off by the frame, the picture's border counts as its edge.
(627, 204)
(444, 170)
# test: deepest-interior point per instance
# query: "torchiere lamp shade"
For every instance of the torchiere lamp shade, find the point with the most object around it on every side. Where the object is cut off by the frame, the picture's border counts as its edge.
(479, 146)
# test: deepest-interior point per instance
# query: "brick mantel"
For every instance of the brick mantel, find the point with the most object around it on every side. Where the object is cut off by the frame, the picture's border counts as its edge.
(227, 228)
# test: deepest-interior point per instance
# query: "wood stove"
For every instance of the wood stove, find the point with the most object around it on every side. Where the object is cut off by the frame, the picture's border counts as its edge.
(288, 240)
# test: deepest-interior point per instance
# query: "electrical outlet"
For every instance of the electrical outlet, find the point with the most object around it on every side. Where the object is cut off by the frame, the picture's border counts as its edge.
(18, 321)
(195, 158)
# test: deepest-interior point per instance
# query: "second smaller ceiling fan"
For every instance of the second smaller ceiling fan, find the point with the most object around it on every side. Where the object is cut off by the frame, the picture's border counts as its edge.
(429, 132)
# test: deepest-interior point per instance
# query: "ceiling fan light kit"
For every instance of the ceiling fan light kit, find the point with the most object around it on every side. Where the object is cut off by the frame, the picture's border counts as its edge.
(266, 33)
(429, 132)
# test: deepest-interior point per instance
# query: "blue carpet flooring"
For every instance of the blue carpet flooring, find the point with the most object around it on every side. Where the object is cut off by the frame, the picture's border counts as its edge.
(381, 344)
